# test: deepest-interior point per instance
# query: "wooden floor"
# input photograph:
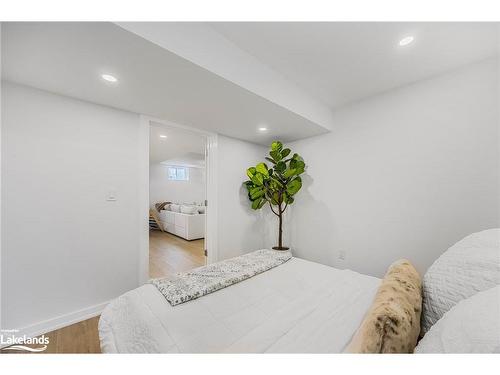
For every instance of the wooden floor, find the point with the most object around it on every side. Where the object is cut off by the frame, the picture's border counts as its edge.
(168, 255)
(81, 337)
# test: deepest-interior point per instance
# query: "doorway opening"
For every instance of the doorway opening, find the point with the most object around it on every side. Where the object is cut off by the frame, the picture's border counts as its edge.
(180, 182)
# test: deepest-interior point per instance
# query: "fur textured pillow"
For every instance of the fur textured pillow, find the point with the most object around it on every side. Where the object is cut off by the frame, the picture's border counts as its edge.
(392, 324)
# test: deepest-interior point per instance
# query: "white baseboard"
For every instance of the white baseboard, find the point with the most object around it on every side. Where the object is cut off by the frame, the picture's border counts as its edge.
(49, 325)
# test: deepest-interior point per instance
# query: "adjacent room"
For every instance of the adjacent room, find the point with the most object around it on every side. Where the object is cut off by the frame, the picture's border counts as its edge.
(177, 196)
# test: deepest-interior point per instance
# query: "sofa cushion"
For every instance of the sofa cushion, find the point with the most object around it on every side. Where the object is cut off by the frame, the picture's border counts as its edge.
(190, 210)
(175, 207)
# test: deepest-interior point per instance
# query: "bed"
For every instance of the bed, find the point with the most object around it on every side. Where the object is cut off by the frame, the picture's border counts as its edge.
(305, 307)
(297, 307)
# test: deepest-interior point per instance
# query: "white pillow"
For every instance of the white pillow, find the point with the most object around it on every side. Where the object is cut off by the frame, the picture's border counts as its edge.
(471, 326)
(167, 207)
(175, 207)
(201, 209)
(470, 266)
(191, 210)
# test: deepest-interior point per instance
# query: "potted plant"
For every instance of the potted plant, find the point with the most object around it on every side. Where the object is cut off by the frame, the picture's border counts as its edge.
(276, 184)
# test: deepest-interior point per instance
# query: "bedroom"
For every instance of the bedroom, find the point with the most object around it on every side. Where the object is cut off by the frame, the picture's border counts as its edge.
(318, 174)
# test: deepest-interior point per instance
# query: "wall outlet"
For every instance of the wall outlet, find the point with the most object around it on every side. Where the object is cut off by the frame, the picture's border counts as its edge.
(341, 255)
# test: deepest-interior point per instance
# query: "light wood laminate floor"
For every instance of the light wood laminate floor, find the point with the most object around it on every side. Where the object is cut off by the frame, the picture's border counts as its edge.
(81, 337)
(168, 255)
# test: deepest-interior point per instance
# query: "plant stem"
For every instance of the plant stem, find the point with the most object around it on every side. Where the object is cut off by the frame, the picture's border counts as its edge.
(280, 233)
(280, 244)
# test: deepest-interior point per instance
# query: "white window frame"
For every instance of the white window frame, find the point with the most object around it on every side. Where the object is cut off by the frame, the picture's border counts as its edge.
(176, 168)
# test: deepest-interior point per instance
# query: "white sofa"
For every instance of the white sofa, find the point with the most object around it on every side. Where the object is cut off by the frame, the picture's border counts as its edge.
(187, 226)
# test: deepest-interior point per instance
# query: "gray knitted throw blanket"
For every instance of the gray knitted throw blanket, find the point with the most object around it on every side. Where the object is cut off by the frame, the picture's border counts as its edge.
(208, 279)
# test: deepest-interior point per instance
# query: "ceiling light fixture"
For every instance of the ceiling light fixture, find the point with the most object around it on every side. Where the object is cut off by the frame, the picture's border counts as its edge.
(262, 129)
(406, 40)
(163, 136)
(109, 78)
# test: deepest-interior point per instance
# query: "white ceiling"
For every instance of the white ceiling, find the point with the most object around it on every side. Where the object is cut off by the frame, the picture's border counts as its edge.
(335, 63)
(203, 46)
(339, 63)
(181, 147)
(68, 59)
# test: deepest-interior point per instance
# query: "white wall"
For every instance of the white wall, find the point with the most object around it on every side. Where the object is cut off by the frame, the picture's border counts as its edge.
(65, 248)
(1, 326)
(240, 229)
(162, 189)
(405, 174)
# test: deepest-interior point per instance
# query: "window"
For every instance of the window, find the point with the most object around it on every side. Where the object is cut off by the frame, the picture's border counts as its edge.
(178, 173)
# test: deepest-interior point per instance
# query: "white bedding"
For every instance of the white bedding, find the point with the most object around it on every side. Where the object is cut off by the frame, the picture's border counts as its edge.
(298, 307)
(471, 326)
(470, 266)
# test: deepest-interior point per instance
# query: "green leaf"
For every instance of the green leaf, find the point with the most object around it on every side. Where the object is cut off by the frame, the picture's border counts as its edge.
(285, 152)
(256, 203)
(250, 172)
(289, 173)
(287, 198)
(277, 183)
(257, 179)
(269, 159)
(300, 167)
(260, 179)
(294, 186)
(277, 146)
(275, 198)
(254, 189)
(256, 194)
(275, 154)
(280, 167)
(262, 168)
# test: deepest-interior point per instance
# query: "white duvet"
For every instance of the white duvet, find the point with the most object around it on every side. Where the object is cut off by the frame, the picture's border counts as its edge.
(298, 307)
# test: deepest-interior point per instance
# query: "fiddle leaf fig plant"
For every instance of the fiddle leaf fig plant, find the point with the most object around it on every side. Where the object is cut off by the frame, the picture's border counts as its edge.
(276, 184)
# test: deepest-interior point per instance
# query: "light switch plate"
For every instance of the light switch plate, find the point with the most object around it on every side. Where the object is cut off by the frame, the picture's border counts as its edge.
(111, 195)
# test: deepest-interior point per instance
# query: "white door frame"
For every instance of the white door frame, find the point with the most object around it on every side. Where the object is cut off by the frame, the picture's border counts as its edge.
(211, 181)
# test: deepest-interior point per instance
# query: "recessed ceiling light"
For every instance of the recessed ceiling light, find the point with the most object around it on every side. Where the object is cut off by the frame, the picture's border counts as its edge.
(109, 78)
(262, 129)
(163, 136)
(406, 40)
